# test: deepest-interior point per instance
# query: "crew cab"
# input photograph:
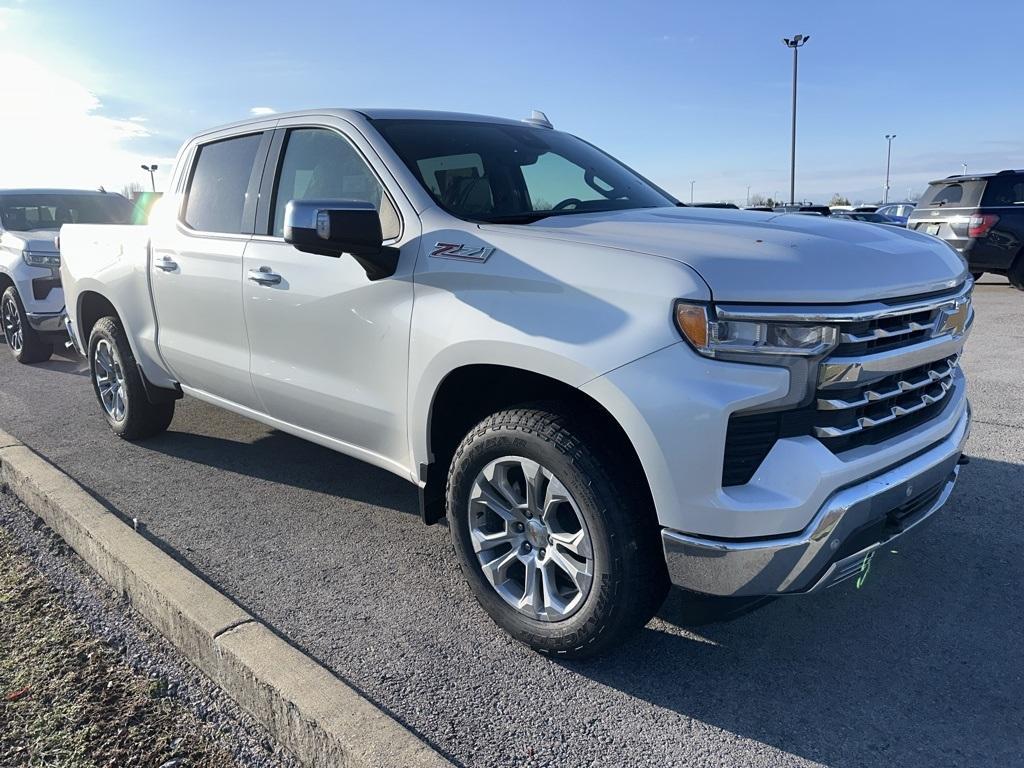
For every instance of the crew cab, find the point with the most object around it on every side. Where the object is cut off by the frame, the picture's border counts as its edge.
(31, 300)
(604, 391)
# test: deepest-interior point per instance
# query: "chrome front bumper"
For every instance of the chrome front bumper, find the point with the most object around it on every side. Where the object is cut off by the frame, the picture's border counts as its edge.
(849, 527)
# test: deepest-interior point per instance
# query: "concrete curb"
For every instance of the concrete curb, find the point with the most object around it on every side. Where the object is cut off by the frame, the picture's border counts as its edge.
(316, 716)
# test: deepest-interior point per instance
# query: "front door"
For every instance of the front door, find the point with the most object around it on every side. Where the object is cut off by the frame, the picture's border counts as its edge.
(329, 348)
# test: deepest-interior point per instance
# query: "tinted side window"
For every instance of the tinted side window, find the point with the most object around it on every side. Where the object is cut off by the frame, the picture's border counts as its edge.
(1004, 190)
(220, 180)
(320, 164)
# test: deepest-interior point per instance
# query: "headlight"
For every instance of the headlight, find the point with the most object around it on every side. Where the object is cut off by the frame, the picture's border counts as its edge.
(715, 338)
(49, 260)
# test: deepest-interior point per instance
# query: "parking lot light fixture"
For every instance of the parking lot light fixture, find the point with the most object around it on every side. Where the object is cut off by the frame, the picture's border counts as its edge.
(795, 42)
(692, 182)
(888, 158)
(151, 169)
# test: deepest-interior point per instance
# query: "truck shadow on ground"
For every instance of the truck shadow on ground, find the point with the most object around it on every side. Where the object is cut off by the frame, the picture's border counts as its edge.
(281, 458)
(920, 666)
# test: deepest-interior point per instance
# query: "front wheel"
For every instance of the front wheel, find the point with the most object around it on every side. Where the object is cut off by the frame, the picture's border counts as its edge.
(118, 384)
(25, 344)
(552, 538)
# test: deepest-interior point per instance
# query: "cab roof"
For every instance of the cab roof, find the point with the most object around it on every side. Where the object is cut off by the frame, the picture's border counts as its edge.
(359, 115)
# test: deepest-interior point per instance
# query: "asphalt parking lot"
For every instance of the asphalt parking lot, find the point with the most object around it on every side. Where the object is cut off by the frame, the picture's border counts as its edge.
(920, 667)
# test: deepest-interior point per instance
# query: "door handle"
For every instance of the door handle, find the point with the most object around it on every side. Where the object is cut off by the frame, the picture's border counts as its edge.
(264, 276)
(165, 263)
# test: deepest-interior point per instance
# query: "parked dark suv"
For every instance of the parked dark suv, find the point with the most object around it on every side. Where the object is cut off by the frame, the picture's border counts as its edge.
(982, 216)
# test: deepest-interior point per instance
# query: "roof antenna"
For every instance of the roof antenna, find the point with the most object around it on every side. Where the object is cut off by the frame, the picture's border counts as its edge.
(539, 119)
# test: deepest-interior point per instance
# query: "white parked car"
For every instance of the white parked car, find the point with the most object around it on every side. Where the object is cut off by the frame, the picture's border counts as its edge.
(31, 299)
(602, 390)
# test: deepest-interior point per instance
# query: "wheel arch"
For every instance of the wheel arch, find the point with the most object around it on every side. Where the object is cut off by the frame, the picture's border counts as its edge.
(92, 306)
(469, 393)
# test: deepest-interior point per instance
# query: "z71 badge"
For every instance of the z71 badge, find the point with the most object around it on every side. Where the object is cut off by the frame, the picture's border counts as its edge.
(461, 251)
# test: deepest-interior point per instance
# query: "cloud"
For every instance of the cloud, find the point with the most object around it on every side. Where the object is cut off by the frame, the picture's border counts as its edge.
(7, 16)
(262, 111)
(54, 133)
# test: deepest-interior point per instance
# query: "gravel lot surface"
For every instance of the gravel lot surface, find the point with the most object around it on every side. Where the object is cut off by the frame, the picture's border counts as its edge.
(86, 682)
(921, 667)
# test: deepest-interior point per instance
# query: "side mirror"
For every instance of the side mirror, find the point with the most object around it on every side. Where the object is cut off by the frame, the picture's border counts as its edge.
(335, 227)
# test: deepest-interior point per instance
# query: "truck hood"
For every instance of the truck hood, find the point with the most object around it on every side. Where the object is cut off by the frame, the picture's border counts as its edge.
(751, 256)
(40, 240)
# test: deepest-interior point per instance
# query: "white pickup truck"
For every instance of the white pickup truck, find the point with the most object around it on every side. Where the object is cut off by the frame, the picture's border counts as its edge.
(31, 300)
(604, 391)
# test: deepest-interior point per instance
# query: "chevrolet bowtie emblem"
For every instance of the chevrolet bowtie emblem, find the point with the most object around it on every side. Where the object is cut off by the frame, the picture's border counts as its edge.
(954, 320)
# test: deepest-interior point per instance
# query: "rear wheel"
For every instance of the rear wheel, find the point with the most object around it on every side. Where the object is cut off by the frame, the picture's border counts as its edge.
(1016, 272)
(25, 344)
(552, 539)
(118, 384)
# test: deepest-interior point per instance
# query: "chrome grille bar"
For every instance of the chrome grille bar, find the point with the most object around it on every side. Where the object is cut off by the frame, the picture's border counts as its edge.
(883, 333)
(943, 370)
(895, 412)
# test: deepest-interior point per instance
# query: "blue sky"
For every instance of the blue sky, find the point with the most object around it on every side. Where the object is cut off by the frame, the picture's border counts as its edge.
(679, 90)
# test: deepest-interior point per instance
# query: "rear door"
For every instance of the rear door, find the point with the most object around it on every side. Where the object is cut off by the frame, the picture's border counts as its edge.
(329, 347)
(197, 269)
(945, 210)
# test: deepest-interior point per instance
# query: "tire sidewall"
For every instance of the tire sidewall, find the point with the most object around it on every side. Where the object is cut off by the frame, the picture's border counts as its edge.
(495, 444)
(33, 349)
(101, 332)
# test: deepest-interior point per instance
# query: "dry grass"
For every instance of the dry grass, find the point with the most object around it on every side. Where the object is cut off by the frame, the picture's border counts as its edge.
(67, 699)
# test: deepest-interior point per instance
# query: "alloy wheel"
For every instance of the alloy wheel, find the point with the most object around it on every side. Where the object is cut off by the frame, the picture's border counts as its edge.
(110, 380)
(530, 539)
(13, 331)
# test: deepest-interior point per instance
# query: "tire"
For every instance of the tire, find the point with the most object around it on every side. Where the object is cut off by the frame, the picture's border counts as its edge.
(1016, 272)
(25, 344)
(628, 579)
(118, 385)
(977, 275)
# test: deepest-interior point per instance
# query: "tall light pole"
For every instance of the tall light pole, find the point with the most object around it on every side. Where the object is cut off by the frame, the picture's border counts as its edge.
(748, 195)
(965, 168)
(795, 43)
(152, 170)
(888, 158)
(692, 182)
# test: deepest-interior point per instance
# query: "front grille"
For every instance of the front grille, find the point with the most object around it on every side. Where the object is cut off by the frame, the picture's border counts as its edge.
(854, 404)
(847, 412)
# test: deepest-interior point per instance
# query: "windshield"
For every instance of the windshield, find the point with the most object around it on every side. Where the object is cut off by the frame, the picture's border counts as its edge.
(41, 210)
(494, 172)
